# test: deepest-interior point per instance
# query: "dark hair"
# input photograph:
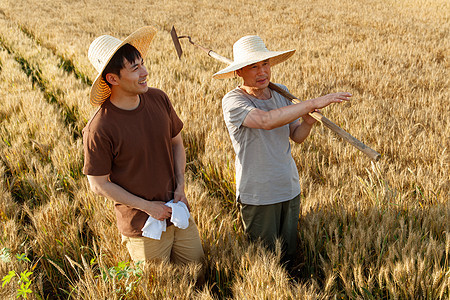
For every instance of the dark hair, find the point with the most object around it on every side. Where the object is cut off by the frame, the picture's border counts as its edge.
(117, 62)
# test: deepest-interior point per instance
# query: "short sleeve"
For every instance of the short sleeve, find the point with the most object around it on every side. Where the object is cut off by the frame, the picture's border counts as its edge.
(236, 108)
(177, 124)
(287, 101)
(97, 153)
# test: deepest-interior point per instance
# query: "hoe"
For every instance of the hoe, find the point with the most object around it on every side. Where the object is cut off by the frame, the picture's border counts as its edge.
(372, 154)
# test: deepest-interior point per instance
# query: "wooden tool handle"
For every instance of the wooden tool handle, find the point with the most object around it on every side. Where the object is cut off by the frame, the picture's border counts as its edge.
(372, 154)
(219, 57)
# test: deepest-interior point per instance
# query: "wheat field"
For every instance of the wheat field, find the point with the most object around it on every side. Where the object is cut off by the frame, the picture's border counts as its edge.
(368, 230)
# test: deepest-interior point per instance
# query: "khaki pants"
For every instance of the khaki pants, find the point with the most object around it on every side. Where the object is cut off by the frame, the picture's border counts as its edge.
(272, 222)
(176, 245)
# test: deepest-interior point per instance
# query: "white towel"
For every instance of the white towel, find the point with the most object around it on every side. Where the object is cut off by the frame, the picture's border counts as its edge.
(153, 228)
(180, 214)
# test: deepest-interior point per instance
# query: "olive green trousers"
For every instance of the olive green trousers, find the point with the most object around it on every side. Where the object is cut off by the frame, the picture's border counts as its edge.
(272, 222)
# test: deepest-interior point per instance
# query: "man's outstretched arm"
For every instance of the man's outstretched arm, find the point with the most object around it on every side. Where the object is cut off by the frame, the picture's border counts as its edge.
(101, 185)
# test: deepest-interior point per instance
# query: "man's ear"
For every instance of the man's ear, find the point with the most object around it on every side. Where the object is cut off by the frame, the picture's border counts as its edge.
(238, 72)
(112, 78)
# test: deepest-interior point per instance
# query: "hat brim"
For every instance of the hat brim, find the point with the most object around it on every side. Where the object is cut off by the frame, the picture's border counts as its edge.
(141, 40)
(275, 57)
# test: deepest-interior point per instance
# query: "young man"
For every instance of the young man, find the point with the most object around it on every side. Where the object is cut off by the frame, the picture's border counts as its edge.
(134, 153)
(260, 122)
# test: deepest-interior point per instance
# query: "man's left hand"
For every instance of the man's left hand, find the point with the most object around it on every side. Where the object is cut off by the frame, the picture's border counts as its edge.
(308, 119)
(179, 195)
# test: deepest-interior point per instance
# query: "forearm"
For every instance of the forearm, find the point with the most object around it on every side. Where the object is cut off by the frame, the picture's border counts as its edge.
(268, 120)
(301, 132)
(179, 156)
(102, 186)
(118, 194)
(287, 114)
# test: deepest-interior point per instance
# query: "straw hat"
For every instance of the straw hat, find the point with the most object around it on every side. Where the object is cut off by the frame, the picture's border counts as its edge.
(103, 48)
(249, 50)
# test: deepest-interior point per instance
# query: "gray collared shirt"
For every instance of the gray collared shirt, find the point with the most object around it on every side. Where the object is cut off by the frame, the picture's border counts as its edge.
(265, 170)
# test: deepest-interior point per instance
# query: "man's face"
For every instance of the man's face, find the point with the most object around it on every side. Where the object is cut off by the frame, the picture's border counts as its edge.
(256, 75)
(133, 77)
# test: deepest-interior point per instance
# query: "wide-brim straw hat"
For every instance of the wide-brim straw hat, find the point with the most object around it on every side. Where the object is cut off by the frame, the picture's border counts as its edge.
(103, 48)
(249, 50)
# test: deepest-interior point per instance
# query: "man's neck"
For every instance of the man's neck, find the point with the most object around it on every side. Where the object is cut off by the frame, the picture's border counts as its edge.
(262, 94)
(125, 102)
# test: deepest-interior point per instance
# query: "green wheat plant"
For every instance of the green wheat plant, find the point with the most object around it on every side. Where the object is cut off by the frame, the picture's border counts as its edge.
(22, 279)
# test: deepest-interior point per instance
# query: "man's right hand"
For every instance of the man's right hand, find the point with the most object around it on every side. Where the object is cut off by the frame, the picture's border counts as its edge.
(326, 100)
(158, 210)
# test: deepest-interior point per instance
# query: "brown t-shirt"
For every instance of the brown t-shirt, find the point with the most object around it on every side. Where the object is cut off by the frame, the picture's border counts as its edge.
(135, 149)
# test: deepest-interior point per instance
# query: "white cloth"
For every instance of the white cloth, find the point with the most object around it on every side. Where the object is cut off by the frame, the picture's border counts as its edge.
(153, 228)
(180, 214)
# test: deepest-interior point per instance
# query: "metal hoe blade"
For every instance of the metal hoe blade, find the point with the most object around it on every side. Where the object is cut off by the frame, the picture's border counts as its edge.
(176, 42)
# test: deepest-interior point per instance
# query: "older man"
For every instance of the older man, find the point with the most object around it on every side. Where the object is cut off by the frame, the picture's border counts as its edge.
(260, 122)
